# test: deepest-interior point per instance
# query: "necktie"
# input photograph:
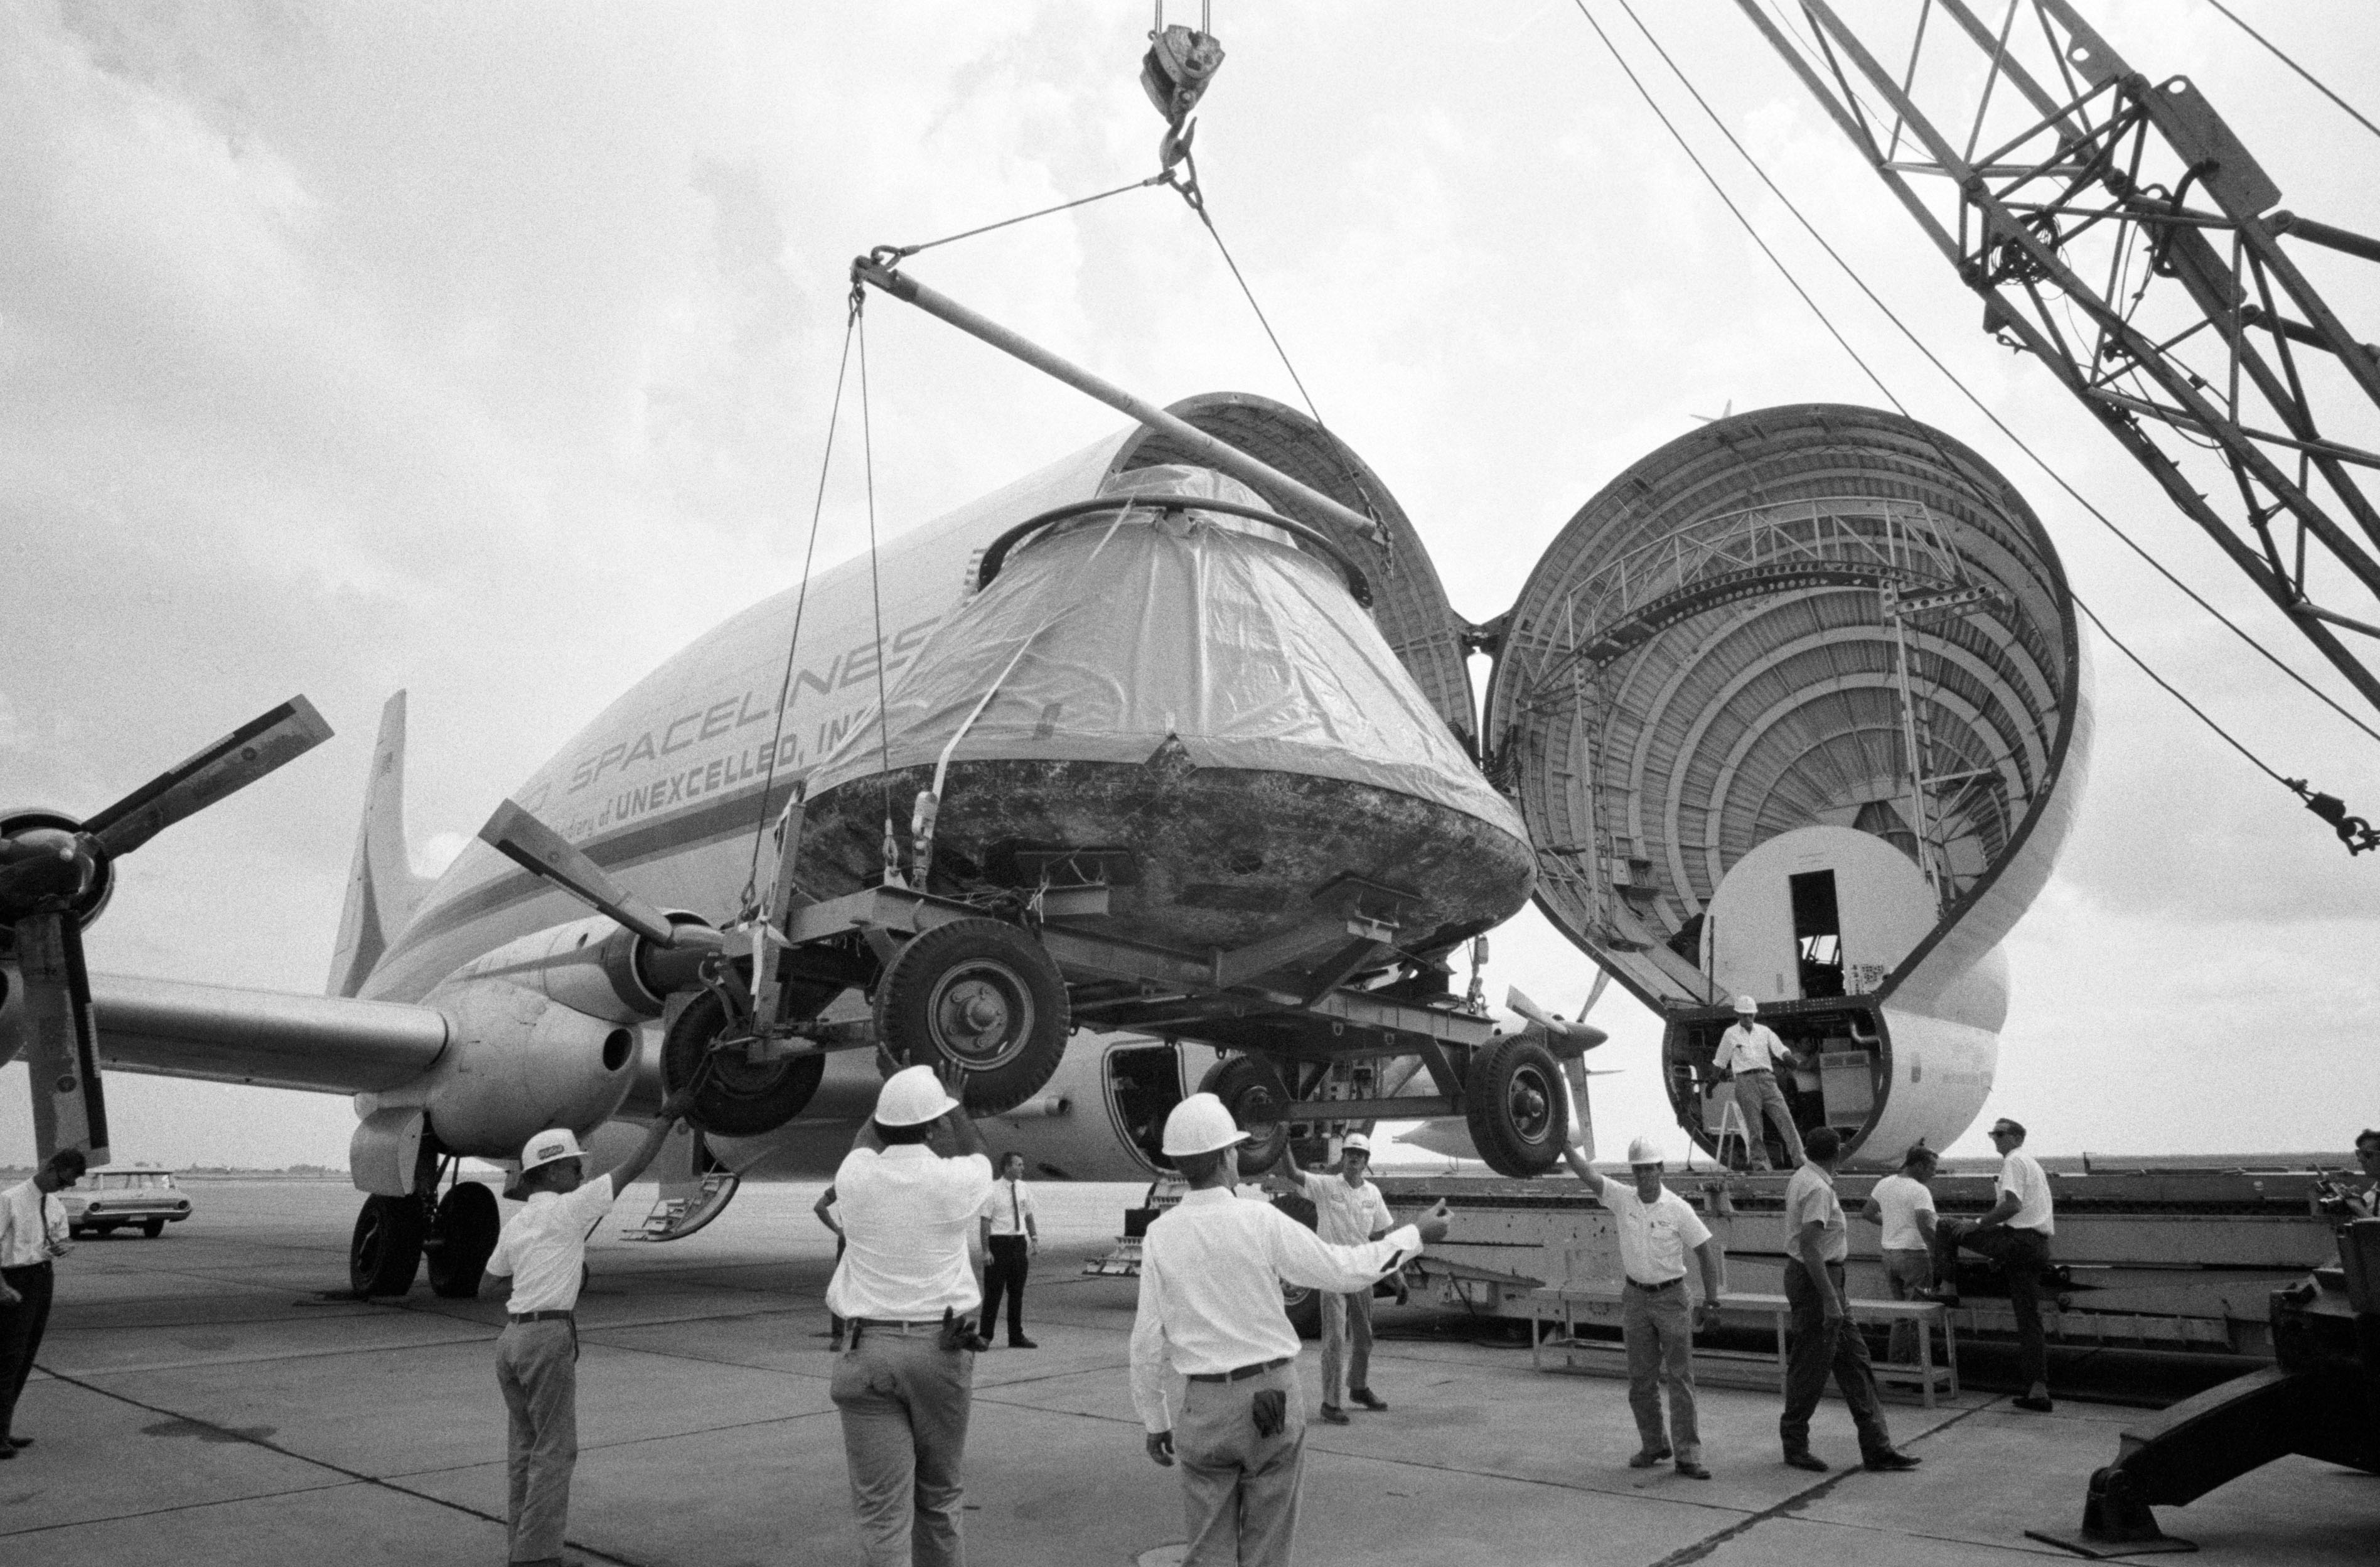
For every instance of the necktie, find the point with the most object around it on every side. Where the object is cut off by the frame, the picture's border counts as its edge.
(1016, 1214)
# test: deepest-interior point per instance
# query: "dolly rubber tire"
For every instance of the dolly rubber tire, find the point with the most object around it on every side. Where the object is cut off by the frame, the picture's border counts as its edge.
(738, 1099)
(1246, 1083)
(463, 1236)
(1518, 1113)
(386, 1251)
(981, 993)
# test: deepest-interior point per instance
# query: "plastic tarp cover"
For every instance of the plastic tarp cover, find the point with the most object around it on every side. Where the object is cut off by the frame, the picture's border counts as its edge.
(1105, 635)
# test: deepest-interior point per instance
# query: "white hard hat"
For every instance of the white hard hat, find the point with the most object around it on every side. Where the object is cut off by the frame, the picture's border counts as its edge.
(1201, 1124)
(1745, 1003)
(912, 1096)
(1356, 1143)
(1647, 1150)
(549, 1146)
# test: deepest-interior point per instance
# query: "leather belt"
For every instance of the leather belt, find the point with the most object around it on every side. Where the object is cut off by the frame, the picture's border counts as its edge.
(1242, 1374)
(543, 1315)
(896, 1325)
(1756, 1072)
(1655, 1289)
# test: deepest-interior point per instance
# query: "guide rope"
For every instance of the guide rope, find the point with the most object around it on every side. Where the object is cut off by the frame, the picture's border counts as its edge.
(750, 895)
(2284, 59)
(876, 600)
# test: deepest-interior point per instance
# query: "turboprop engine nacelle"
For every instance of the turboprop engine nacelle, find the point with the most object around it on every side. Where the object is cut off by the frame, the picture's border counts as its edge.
(518, 1063)
(598, 966)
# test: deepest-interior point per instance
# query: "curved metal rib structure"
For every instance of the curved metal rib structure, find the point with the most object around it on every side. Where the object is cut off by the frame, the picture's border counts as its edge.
(1802, 617)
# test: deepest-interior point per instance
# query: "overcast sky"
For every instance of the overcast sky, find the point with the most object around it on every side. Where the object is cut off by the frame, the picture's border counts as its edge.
(486, 352)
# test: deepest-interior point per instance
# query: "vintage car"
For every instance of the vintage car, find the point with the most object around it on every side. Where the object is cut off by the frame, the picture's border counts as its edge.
(112, 1195)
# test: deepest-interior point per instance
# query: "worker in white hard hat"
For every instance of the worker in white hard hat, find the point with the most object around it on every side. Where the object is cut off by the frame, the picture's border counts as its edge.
(1751, 1052)
(1348, 1210)
(543, 1249)
(1657, 1322)
(908, 1194)
(1212, 1270)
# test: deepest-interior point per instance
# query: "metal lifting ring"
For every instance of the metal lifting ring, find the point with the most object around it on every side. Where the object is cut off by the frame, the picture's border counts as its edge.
(995, 554)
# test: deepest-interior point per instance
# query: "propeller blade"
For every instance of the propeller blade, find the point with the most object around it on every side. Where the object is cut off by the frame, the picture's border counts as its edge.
(1534, 1013)
(61, 1044)
(1602, 977)
(230, 764)
(536, 848)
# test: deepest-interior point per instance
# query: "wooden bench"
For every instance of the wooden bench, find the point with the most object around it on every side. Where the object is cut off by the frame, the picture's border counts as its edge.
(1565, 1305)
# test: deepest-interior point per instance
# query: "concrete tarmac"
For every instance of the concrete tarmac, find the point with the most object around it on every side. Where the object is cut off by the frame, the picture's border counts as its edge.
(198, 1405)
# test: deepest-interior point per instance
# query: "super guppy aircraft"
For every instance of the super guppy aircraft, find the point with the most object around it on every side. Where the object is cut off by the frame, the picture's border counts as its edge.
(1143, 780)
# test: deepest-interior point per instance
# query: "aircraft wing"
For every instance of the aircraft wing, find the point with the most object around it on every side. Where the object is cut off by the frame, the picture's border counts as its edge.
(326, 1044)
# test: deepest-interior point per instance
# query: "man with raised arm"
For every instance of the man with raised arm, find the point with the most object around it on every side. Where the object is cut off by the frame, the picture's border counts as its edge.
(1348, 1210)
(1210, 1309)
(1657, 1228)
(544, 1250)
(908, 1194)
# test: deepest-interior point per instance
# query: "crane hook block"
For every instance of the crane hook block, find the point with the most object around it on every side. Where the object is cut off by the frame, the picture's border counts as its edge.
(1175, 72)
(2353, 831)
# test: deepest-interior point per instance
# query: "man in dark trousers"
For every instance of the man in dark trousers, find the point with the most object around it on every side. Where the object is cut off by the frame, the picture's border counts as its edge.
(32, 1233)
(1824, 1336)
(2015, 1234)
(1012, 1236)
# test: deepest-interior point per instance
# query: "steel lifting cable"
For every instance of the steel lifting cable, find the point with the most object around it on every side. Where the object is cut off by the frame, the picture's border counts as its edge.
(2277, 54)
(894, 255)
(2054, 476)
(875, 581)
(801, 601)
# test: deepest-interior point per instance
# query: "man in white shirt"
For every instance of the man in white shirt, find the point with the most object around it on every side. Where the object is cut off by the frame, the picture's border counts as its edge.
(2345, 1202)
(33, 1230)
(1012, 1236)
(1211, 1270)
(1903, 1205)
(1656, 1229)
(908, 1194)
(1751, 1052)
(1824, 1338)
(1348, 1210)
(2015, 1234)
(544, 1250)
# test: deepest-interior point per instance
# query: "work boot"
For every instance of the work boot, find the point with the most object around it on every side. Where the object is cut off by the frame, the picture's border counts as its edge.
(1021, 1341)
(1367, 1397)
(1333, 1416)
(1802, 1458)
(1649, 1457)
(1892, 1463)
(1692, 1470)
(2037, 1402)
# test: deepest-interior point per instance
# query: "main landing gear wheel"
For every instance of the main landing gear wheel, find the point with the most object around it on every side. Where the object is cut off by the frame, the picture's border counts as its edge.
(386, 1251)
(739, 1098)
(462, 1238)
(983, 994)
(1518, 1113)
(1247, 1083)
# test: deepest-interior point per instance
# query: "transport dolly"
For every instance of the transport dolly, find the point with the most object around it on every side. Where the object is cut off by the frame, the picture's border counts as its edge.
(998, 987)
(2321, 1399)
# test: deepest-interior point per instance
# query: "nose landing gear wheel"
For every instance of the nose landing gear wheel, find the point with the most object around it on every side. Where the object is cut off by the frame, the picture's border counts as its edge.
(462, 1238)
(1246, 1085)
(738, 1099)
(1518, 1113)
(983, 994)
(386, 1251)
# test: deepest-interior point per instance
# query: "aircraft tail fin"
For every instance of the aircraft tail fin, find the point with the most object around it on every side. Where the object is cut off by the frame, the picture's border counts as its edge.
(382, 890)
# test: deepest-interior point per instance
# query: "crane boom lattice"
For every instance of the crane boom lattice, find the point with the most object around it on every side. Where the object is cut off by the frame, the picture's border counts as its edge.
(2119, 232)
